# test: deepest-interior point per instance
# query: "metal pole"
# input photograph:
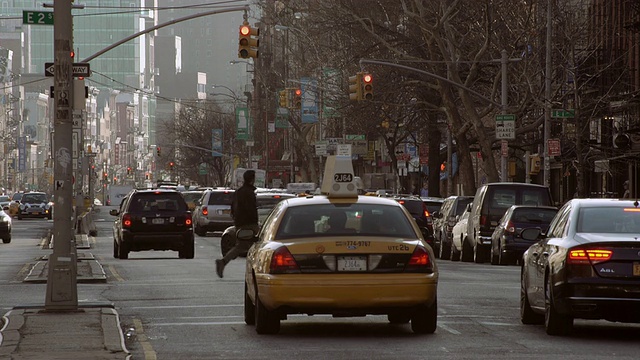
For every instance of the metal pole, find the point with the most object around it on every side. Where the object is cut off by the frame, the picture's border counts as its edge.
(62, 291)
(505, 99)
(547, 97)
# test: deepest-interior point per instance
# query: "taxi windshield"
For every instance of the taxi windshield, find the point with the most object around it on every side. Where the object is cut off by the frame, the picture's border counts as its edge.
(345, 220)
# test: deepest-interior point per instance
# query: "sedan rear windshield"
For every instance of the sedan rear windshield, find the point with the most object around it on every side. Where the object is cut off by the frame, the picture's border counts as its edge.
(611, 220)
(221, 198)
(345, 220)
(541, 216)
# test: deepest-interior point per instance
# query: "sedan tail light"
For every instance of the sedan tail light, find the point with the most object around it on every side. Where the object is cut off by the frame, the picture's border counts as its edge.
(282, 262)
(205, 211)
(126, 221)
(588, 256)
(419, 261)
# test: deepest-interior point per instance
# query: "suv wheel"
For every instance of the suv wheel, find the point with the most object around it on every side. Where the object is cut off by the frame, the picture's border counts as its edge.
(445, 250)
(478, 254)
(455, 254)
(199, 230)
(123, 252)
(467, 251)
(116, 251)
(188, 251)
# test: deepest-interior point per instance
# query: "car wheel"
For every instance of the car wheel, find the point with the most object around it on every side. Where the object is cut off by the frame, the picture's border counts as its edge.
(503, 259)
(227, 242)
(527, 315)
(249, 308)
(444, 250)
(6, 240)
(398, 318)
(123, 253)
(200, 231)
(189, 250)
(116, 251)
(554, 322)
(425, 319)
(494, 257)
(267, 322)
(467, 251)
(478, 257)
(455, 254)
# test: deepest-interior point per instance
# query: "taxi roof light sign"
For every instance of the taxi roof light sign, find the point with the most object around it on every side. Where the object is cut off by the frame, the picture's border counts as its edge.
(338, 180)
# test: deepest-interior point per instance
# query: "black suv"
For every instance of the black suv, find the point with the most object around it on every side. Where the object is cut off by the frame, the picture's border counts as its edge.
(420, 213)
(444, 221)
(153, 219)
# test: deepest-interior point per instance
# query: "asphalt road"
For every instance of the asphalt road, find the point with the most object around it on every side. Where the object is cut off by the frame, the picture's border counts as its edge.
(178, 309)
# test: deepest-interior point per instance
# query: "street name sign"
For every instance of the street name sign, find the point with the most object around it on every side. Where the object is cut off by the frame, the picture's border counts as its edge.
(37, 17)
(563, 113)
(506, 126)
(79, 69)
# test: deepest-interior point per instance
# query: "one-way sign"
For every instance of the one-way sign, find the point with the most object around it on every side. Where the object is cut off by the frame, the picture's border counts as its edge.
(79, 69)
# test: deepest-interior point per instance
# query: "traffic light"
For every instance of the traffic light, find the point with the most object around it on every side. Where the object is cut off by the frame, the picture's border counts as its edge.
(247, 45)
(129, 170)
(105, 176)
(367, 86)
(158, 150)
(171, 164)
(355, 87)
(283, 98)
(297, 99)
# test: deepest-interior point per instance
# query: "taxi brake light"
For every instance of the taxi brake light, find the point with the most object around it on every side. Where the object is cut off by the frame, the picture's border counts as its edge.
(282, 262)
(586, 256)
(419, 261)
(126, 220)
(401, 202)
(205, 211)
(276, 196)
(632, 210)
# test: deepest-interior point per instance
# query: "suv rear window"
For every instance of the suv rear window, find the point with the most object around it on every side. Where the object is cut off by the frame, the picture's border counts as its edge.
(415, 207)
(462, 205)
(221, 198)
(503, 197)
(157, 202)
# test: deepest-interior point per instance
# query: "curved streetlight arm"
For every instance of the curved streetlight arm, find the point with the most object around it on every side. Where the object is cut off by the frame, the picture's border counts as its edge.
(185, 18)
(482, 97)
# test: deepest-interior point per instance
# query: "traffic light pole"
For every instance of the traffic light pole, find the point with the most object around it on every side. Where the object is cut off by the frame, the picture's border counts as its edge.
(62, 291)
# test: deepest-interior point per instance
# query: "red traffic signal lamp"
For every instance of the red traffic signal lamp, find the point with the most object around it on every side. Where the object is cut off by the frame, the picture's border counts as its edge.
(247, 45)
(367, 87)
(128, 170)
(297, 98)
(105, 176)
(158, 150)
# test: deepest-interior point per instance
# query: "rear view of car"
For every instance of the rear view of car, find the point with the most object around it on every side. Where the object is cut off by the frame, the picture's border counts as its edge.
(153, 220)
(213, 213)
(420, 213)
(507, 246)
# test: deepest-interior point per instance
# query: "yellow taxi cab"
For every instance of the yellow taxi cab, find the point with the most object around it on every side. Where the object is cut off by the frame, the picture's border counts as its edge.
(191, 196)
(342, 254)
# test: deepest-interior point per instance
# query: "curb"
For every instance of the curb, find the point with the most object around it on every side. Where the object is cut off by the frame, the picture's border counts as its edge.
(89, 270)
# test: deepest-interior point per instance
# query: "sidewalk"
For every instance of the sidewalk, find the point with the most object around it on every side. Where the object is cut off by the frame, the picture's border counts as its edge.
(91, 332)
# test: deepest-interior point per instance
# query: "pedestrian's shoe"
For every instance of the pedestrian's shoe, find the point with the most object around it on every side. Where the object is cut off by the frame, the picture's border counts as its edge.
(219, 267)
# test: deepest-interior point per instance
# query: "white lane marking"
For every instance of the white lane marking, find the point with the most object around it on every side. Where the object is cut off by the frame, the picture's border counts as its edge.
(446, 328)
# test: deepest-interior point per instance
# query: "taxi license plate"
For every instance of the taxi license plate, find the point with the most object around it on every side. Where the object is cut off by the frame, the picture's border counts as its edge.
(636, 268)
(157, 221)
(352, 263)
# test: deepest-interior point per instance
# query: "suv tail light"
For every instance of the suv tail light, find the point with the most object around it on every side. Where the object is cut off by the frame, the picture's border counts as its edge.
(282, 262)
(588, 256)
(419, 261)
(126, 221)
(483, 220)
(510, 229)
(205, 211)
(188, 220)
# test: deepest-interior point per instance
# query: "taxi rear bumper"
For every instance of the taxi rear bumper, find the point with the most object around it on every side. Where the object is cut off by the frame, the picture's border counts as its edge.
(367, 293)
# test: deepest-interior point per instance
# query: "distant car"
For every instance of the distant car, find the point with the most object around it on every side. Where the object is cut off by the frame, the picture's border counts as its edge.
(97, 202)
(340, 254)
(153, 219)
(5, 227)
(14, 205)
(191, 196)
(507, 246)
(5, 200)
(459, 234)
(445, 219)
(35, 204)
(586, 266)
(420, 213)
(213, 211)
(265, 202)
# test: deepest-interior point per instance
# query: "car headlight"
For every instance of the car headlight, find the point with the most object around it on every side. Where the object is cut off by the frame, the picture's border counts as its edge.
(21, 206)
(5, 219)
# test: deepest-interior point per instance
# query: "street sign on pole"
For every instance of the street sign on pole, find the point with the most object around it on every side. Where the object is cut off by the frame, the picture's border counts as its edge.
(506, 126)
(37, 17)
(554, 147)
(563, 113)
(79, 69)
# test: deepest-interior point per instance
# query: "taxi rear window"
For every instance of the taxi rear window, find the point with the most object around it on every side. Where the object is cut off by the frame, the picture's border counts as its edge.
(345, 220)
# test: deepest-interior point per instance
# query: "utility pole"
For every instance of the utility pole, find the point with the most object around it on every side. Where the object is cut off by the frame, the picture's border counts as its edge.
(62, 291)
(547, 97)
(504, 59)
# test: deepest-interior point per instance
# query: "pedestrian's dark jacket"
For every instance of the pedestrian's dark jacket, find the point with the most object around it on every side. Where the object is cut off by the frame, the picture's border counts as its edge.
(244, 209)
